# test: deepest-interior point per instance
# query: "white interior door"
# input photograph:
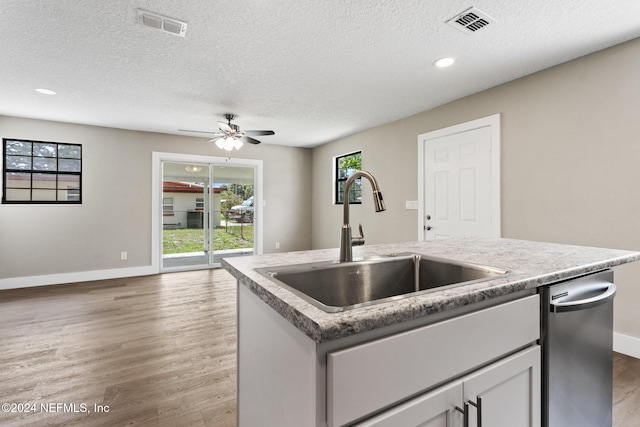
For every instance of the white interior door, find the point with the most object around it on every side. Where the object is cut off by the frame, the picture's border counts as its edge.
(460, 184)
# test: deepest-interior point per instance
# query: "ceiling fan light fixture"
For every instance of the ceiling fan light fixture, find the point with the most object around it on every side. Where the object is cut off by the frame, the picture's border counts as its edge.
(230, 137)
(228, 143)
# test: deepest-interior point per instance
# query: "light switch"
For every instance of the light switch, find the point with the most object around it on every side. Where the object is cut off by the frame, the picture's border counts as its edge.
(411, 204)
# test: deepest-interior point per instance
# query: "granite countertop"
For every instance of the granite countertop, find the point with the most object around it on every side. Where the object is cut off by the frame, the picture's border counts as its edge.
(532, 264)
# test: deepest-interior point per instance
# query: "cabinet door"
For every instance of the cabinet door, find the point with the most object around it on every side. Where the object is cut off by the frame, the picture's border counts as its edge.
(435, 409)
(506, 393)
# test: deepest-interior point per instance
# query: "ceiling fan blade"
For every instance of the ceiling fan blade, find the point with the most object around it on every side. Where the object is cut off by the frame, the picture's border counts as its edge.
(225, 127)
(259, 132)
(249, 140)
(215, 138)
(197, 131)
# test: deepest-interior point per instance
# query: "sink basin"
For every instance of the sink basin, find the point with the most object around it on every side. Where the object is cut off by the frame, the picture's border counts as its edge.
(334, 286)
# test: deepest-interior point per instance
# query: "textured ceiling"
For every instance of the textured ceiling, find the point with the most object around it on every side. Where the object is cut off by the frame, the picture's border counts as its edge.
(310, 70)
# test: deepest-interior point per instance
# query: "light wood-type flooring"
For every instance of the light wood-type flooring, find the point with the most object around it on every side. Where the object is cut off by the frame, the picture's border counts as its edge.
(154, 350)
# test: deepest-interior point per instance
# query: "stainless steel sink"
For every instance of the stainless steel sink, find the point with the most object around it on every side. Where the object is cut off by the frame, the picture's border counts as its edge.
(334, 286)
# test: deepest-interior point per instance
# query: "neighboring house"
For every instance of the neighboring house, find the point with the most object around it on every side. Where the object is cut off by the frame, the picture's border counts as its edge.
(183, 204)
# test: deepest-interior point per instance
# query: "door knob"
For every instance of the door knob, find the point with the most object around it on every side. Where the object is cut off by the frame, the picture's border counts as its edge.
(428, 227)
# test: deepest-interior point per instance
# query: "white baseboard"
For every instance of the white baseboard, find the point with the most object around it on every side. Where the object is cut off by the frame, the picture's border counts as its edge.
(626, 344)
(83, 276)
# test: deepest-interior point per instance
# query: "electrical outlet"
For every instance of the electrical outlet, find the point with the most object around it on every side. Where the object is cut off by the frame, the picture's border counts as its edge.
(277, 245)
(123, 256)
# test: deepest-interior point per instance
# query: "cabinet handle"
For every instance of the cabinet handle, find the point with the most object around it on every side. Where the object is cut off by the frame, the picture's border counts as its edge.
(465, 413)
(478, 407)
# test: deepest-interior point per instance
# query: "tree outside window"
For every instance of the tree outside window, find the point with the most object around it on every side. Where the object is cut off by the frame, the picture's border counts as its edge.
(345, 167)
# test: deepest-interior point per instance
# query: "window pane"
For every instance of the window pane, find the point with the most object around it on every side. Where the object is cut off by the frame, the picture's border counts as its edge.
(345, 167)
(68, 181)
(33, 172)
(45, 149)
(18, 180)
(44, 195)
(340, 195)
(19, 147)
(44, 164)
(65, 165)
(18, 162)
(44, 180)
(69, 151)
(69, 194)
(355, 192)
(15, 195)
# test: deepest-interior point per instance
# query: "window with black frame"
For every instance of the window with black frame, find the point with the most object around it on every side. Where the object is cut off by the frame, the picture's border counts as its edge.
(345, 166)
(41, 172)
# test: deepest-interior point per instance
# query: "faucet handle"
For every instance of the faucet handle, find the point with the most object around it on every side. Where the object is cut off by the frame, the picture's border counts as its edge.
(358, 241)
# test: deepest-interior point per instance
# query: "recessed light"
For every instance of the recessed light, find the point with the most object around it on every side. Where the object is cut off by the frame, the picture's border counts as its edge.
(45, 91)
(444, 62)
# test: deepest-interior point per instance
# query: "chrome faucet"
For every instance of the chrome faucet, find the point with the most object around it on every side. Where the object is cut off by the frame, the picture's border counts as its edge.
(346, 241)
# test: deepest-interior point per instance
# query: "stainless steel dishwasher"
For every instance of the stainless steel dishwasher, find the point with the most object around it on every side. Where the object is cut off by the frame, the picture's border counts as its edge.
(577, 346)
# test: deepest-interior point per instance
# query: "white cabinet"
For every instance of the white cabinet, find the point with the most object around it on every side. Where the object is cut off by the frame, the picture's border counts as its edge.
(413, 376)
(365, 378)
(507, 393)
(504, 394)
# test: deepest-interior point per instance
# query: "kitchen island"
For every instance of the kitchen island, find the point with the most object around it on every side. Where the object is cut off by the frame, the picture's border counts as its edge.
(299, 365)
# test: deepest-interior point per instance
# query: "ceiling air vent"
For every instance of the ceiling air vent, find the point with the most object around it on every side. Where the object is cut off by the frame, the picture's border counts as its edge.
(471, 20)
(162, 23)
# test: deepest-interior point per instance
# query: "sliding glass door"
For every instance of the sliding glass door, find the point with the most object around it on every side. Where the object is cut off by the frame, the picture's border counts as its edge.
(185, 215)
(233, 214)
(207, 213)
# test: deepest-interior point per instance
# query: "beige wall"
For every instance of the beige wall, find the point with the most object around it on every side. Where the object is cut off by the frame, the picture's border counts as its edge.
(570, 163)
(389, 153)
(115, 214)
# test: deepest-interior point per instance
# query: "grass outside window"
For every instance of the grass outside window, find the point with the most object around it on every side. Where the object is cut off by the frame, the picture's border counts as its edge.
(184, 240)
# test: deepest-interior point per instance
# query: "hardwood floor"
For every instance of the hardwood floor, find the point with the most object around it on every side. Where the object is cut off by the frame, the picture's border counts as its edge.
(154, 350)
(626, 391)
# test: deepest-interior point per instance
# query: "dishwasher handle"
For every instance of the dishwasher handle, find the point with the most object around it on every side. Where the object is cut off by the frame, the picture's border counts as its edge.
(594, 294)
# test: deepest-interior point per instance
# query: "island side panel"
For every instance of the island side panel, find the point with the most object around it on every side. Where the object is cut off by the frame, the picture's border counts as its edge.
(276, 367)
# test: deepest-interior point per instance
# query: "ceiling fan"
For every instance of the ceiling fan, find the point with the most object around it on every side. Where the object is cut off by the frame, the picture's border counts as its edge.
(229, 135)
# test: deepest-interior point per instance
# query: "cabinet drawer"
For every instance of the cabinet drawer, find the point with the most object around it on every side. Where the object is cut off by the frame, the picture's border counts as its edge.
(369, 377)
